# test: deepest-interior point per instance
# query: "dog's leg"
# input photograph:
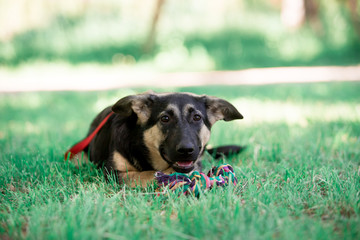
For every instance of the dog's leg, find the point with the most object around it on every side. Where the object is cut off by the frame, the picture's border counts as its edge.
(128, 174)
(143, 179)
(134, 179)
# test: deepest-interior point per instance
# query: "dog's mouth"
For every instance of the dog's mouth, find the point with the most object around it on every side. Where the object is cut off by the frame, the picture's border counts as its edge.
(182, 166)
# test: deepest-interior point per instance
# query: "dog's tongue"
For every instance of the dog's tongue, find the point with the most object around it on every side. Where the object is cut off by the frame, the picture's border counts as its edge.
(185, 164)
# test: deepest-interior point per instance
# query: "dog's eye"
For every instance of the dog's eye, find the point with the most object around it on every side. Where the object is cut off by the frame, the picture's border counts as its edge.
(196, 117)
(165, 119)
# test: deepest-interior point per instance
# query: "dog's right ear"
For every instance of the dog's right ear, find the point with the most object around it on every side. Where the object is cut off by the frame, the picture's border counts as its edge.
(139, 104)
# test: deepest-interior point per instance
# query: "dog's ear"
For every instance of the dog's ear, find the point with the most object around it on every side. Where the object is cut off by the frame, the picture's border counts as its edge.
(139, 104)
(219, 109)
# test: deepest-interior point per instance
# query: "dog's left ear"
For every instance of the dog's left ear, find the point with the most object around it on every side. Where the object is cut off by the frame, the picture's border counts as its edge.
(219, 109)
(139, 104)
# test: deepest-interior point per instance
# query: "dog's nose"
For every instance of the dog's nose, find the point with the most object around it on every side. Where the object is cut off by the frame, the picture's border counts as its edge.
(185, 149)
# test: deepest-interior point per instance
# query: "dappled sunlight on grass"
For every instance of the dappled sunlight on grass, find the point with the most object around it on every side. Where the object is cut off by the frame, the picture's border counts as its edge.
(21, 101)
(256, 111)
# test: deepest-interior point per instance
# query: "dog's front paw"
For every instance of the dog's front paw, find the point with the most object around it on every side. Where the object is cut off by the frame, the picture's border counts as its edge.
(168, 171)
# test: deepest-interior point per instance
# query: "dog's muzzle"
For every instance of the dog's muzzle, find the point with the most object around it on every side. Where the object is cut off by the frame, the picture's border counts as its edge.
(183, 160)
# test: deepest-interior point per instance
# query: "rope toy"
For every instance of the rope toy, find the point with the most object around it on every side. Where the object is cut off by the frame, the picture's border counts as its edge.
(197, 182)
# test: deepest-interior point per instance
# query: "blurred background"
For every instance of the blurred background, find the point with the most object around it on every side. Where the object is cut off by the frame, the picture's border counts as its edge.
(174, 36)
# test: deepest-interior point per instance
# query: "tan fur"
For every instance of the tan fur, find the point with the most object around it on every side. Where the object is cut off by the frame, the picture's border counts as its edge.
(214, 111)
(204, 135)
(137, 178)
(174, 108)
(130, 175)
(214, 116)
(121, 163)
(152, 138)
(187, 108)
(143, 179)
(141, 110)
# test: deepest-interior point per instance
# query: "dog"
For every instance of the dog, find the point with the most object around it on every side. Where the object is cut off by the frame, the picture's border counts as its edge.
(152, 132)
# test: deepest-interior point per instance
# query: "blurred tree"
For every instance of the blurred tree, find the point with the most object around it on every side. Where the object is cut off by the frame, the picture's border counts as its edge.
(293, 13)
(18, 16)
(355, 15)
(312, 15)
(229, 34)
(150, 40)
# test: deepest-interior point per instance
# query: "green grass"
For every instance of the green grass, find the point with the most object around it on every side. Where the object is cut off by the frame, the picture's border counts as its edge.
(298, 179)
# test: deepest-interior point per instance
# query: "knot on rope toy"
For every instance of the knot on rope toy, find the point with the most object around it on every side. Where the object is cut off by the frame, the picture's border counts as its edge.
(197, 182)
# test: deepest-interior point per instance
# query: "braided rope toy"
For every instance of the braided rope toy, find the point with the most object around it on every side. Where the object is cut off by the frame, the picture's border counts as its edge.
(197, 182)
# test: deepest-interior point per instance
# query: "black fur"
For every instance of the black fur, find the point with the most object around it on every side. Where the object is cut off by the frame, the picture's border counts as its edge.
(134, 115)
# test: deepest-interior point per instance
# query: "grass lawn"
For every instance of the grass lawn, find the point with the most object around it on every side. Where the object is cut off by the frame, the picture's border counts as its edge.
(298, 179)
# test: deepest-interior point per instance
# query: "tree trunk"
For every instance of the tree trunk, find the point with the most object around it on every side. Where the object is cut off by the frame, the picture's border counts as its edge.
(293, 13)
(355, 18)
(150, 40)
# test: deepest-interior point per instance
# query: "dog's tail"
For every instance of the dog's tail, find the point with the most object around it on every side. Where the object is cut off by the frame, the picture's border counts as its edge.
(225, 151)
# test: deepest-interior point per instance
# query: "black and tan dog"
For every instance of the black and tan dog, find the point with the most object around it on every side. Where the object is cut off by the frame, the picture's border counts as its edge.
(152, 132)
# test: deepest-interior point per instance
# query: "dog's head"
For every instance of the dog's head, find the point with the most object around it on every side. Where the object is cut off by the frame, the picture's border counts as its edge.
(176, 126)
